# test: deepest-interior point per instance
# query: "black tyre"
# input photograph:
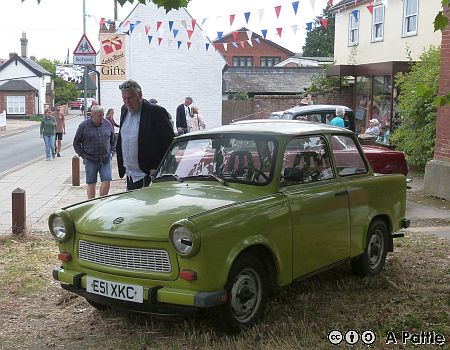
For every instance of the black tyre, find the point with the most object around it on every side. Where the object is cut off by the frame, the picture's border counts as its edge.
(247, 289)
(98, 306)
(372, 260)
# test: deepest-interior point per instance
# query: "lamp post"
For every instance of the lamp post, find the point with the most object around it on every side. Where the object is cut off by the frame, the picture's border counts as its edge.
(85, 74)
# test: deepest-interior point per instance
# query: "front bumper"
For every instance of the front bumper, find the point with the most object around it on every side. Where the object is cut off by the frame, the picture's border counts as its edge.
(157, 299)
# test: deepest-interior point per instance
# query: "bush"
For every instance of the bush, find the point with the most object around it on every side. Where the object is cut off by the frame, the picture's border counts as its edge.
(417, 133)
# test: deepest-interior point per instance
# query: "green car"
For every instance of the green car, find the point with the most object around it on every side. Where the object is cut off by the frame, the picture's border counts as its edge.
(231, 213)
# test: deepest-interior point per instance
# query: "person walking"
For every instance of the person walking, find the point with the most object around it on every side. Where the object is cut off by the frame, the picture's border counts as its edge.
(48, 132)
(338, 120)
(60, 129)
(145, 134)
(183, 112)
(94, 143)
(195, 121)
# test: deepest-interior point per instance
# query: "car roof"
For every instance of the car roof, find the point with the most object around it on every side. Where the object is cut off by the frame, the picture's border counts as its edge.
(316, 108)
(274, 127)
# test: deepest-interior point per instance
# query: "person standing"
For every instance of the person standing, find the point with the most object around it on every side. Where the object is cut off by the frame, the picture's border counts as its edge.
(183, 112)
(60, 129)
(145, 134)
(94, 142)
(338, 120)
(195, 121)
(48, 131)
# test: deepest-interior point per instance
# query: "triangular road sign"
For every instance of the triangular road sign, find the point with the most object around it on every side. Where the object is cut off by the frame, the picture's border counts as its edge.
(84, 47)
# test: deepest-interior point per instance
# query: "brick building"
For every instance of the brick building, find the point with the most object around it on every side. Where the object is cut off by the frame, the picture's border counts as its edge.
(437, 172)
(243, 48)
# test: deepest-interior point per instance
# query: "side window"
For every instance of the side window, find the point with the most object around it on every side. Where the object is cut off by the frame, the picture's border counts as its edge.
(306, 159)
(349, 160)
(353, 28)
(378, 23)
(410, 14)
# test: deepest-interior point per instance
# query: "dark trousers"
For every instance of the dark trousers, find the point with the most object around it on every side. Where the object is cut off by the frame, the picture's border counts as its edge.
(138, 184)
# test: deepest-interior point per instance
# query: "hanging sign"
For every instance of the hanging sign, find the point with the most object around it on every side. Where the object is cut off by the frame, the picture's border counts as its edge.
(112, 56)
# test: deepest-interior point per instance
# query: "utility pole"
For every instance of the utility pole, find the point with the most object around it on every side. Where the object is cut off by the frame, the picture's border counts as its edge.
(85, 76)
(115, 10)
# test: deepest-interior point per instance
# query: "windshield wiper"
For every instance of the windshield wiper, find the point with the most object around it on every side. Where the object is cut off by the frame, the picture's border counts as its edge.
(176, 177)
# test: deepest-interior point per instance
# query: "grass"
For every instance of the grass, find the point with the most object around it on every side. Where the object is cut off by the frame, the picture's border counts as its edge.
(411, 294)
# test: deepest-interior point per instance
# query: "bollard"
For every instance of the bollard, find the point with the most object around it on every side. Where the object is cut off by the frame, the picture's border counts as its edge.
(75, 171)
(19, 211)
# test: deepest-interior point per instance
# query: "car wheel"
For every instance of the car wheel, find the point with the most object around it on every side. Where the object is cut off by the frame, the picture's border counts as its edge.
(98, 306)
(372, 260)
(247, 295)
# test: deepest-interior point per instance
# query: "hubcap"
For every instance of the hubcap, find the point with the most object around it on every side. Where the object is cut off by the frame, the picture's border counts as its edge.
(246, 295)
(375, 249)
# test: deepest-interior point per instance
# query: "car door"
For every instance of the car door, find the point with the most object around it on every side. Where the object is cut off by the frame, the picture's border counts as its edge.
(318, 204)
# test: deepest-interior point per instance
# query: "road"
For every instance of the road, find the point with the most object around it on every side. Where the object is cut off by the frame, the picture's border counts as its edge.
(25, 147)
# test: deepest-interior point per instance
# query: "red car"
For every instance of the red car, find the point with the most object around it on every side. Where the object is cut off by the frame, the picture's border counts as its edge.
(76, 104)
(382, 159)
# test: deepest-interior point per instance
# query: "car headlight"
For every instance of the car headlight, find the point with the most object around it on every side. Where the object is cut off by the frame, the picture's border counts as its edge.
(61, 226)
(184, 240)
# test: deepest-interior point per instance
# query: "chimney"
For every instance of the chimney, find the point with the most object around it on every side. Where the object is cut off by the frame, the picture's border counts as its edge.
(12, 54)
(24, 44)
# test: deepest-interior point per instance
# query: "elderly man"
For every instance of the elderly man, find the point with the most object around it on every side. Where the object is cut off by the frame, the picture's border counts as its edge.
(145, 135)
(374, 128)
(94, 142)
(338, 120)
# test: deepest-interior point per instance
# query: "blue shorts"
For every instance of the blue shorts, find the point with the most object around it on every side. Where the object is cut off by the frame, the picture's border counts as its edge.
(92, 168)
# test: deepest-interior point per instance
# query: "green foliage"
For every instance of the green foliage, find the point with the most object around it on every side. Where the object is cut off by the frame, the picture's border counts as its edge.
(440, 21)
(64, 91)
(241, 95)
(418, 89)
(323, 83)
(319, 42)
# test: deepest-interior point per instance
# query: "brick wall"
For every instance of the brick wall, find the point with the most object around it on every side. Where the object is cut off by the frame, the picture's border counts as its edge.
(256, 51)
(442, 148)
(262, 105)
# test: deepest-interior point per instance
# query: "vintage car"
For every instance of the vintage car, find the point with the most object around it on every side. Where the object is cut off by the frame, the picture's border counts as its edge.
(231, 213)
(383, 159)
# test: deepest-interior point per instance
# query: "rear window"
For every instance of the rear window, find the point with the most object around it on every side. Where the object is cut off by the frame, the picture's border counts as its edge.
(348, 158)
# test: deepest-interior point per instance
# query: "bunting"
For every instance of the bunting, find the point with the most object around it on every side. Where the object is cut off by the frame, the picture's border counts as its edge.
(175, 32)
(309, 26)
(249, 34)
(247, 16)
(189, 33)
(219, 35)
(188, 45)
(250, 42)
(159, 41)
(370, 8)
(179, 44)
(232, 19)
(355, 14)
(170, 26)
(158, 25)
(207, 46)
(264, 33)
(295, 28)
(147, 29)
(324, 22)
(235, 35)
(261, 14)
(193, 22)
(149, 39)
(242, 43)
(295, 6)
(277, 10)
(279, 31)
(225, 46)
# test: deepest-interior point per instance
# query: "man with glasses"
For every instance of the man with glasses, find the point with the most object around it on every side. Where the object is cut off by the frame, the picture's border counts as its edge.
(145, 135)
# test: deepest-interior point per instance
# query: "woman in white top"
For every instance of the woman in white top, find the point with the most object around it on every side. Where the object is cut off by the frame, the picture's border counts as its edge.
(195, 121)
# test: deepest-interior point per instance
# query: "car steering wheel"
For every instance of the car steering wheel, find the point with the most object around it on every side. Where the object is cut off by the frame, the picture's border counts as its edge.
(249, 172)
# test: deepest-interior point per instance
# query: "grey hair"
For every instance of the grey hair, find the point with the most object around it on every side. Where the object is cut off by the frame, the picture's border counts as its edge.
(340, 111)
(97, 109)
(130, 85)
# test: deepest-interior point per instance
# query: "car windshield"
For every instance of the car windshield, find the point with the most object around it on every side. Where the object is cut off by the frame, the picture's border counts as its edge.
(224, 158)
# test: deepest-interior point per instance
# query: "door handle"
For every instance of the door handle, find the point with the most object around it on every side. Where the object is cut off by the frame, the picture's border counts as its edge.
(341, 193)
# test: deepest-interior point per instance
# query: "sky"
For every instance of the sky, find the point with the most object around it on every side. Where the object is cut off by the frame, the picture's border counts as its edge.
(55, 26)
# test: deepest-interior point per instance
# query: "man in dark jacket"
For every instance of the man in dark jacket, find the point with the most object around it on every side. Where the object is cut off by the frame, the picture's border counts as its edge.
(145, 135)
(183, 112)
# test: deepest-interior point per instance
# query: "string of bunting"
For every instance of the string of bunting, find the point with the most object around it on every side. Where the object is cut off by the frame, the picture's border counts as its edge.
(157, 29)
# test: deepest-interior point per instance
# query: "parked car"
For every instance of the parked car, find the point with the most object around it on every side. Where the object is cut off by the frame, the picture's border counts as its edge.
(383, 159)
(231, 213)
(76, 104)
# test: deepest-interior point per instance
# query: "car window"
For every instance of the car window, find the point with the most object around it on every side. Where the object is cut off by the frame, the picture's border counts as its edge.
(306, 159)
(231, 158)
(349, 160)
(311, 117)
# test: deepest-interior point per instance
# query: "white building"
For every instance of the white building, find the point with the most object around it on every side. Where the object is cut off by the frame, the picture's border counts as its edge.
(157, 56)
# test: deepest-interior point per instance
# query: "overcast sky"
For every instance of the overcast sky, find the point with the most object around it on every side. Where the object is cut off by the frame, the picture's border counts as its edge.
(54, 26)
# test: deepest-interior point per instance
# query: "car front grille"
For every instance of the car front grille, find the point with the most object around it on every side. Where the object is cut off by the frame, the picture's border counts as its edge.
(152, 260)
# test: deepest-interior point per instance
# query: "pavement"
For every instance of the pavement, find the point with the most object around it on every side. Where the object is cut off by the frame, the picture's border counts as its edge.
(48, 187)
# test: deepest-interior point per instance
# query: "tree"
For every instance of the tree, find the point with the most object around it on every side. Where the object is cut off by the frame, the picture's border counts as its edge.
(319, 42)
(64, 91)
(167, 4)
(417, 133)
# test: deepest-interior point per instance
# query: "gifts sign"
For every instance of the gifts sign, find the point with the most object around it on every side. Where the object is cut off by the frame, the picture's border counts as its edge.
(112, 56)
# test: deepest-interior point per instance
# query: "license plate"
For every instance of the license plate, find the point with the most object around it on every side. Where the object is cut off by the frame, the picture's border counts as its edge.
(115, 290)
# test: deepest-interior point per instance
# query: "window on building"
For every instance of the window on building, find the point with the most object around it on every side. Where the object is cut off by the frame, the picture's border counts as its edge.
(378, 23)
(410, 14)
(242, 61)
(353, 28)
(269, 61)
(15, 104)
